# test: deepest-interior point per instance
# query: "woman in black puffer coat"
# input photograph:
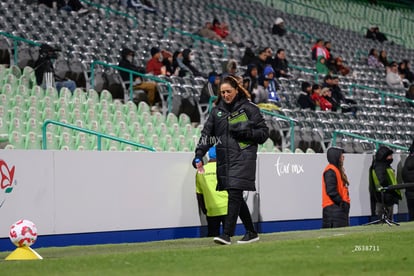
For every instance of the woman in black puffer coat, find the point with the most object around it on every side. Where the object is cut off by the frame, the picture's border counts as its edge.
(236, 126)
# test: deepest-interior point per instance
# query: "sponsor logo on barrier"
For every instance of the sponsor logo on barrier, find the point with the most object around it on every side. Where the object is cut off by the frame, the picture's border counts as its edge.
(7, 181)
(288, 168)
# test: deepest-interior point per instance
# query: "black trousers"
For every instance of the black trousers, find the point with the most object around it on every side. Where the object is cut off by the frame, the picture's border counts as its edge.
(214, 224)
(334, 216)
(237, 207)
(410, 207)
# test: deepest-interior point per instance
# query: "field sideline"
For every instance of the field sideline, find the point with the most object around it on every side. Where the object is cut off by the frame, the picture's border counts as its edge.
(372, 250)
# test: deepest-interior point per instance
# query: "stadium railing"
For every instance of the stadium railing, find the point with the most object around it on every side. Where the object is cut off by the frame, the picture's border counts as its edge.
(16, 40)
(383, 94)
(234, 12)
(98, 134)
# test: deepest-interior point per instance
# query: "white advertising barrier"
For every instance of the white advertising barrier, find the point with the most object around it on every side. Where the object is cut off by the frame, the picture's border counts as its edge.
(290, 185)
(86, 191)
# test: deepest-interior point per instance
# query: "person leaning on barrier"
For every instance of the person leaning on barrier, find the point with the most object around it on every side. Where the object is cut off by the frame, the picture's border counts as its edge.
(335, 194)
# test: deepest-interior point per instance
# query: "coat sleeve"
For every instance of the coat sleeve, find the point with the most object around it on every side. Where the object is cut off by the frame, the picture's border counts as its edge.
(331, 186)
(260, 131)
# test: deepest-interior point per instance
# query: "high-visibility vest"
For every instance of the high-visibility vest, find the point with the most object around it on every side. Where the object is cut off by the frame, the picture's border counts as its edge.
(342, 189)
(391, 178)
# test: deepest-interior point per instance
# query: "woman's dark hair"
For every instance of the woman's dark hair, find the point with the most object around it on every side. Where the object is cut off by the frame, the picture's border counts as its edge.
(236, 83)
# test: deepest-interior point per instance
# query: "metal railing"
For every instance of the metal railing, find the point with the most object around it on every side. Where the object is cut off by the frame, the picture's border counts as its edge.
(131, 80)
(306, 70)
(197, 38)
(383, 94)
(16, 40)
(108, 10)
(88, 131)
(376, 142)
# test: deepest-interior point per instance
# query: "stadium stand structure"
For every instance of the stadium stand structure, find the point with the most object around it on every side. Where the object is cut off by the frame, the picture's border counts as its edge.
(100, 35)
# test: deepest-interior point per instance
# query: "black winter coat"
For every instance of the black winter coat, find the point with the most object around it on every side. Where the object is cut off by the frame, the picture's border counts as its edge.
(236, 167)
(408, 175)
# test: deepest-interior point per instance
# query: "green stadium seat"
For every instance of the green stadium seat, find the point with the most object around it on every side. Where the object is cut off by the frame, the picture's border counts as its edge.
(77, 115)
(108, 127)
(106, 95)
(6, 101)
(16, 124)
(7, 89)
(143, 107)
(49, 114)
(23, 90)
(63, 113)
(105, 115)
(93, 95)
(149, 129)
(183, 119)
(17, 139)
(118, 105)
(19, 100)
(37, 91)
(52, 93)
(33, 141)
(171, 119)
(267, 146)
(33, 125)
(122, 129)
(175, 130)
(18, 112)
(15, 71)
(119, 116)
(90, 115)
(135, 129)
(65, 94)
(48, 102)
(67, 139)
(9, 147)
(130, 106)
(33, 101)
(144, 117)
(157, 118)
(162, 129)
(132, 117)
(80, 94)
(4, 130)
(94, 125)
(83, 139)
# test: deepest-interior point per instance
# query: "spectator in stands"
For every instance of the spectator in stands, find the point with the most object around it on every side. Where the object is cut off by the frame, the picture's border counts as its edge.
(316, 95)
(330, 60)
(211, 87)
(45, 73)
(155, 65)
(149, 87)
(251, 79)
(347, 105)
(383, 58)
(325, 102)
(263, 59)
(221, 29)
(340, 68)
(208, 32)
(281, 65)
(145, 5)
(211, 202)
(335, 194)
(321, 67)
(230, 68)
(373, 59)
(318, 50)
(279, 27)
(408, 177)
(375, 34)
(404, 71)
(271, 86)
(381, 174)
(188, 58)
(167, 61)
(305, 100)
(410, 94)
(249, 56)
(392, 78)
(74, 6)
(236, 152)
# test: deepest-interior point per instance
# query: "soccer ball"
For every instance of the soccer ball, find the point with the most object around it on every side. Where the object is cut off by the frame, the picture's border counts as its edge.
(23, 233)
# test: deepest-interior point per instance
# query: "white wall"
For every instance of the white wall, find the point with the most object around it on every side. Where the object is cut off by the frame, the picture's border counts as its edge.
(86, 191)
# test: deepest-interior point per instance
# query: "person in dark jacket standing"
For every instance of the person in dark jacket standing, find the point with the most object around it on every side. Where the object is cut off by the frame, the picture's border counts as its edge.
(335, 194)
(236, 126)
(408, 177)
(381, 174)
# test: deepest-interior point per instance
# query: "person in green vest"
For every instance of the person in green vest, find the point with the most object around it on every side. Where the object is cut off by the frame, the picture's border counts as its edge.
(383, 175)
(212, 203)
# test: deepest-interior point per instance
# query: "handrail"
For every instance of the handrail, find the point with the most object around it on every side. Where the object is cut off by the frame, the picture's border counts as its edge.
(131, 80)
(17, 39)
(98, 134)
(197, 37)
(231, 11)
(305, 34)
(353, 135)
(306, 70)
(382, 93)
(291, 121)
(109, 10)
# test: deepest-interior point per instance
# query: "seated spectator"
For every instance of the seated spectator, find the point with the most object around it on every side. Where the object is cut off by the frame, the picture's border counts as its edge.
(305, 100)
(220, 29)
(150, 88)
(211, 88)
(45, 73)
(340, 68)
(383, 58)
(188, 58)
(318, 49)
(271, 87)
(167, 61)
(321, 67)
(263, 59)
(347, 105)
(410, 94)
(251, 79)
(324, 103)
(405, 72)
(318, 97)
(249, 57)
(155, 65)
(373, 59)
(207, 32)
(392, 78)
(74, 6)
(374, 34)
(230, 68)
(281, 65)
(327, 94)
(279, 27)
